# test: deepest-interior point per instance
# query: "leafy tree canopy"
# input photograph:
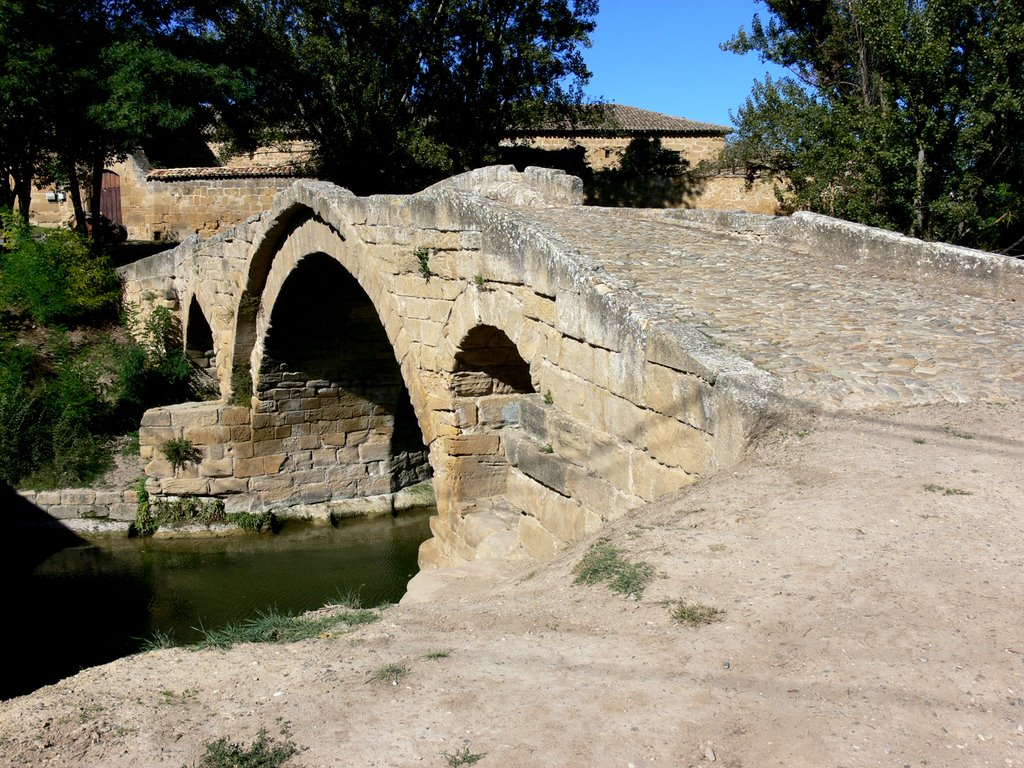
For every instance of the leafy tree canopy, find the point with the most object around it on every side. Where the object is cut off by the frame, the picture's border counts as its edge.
(395, 94)
(904, 114)
(84, 82)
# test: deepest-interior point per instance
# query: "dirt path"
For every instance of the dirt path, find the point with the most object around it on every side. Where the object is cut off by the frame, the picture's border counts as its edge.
(871, 571)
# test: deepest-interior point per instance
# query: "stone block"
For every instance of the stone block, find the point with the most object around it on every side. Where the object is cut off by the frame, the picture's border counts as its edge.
(533, 418)
(374, 451)
(549, 469)
(650, 480)
(678, 395)
(538, 542)
(206, 435)
(242, 450)
(481, 524)
(267, 447)
(159, 467)
(562, 516)
(598, 495)
(106, 498)
(248, 467)
(472, 444)
(63, 511)
(224, 485)
(185, 486)
(470, 477)
(216, 468)
(240, 434)
(679, 445)
(235, 416)
(200, 415)
(156, 417)
(465, 415)
(272, 464)
(262, 483)
(156, 436)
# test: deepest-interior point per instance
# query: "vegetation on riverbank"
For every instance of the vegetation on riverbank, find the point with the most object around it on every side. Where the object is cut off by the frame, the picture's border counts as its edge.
(76, 369)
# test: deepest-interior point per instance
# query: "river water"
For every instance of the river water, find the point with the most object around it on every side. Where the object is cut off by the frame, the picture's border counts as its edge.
(90, 604)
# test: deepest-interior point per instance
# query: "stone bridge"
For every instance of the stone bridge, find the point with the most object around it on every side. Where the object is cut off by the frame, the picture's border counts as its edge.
(550, 366)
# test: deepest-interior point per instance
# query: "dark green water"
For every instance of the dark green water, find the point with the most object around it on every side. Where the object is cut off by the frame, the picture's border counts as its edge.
(90, 604)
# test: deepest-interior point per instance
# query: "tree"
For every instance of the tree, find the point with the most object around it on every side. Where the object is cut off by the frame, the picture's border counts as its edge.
(399, 93)
(86, 81)
(648, 176)
(898, 113)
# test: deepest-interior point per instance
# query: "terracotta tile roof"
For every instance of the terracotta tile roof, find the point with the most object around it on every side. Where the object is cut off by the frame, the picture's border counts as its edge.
(221, 172)
(620, 120)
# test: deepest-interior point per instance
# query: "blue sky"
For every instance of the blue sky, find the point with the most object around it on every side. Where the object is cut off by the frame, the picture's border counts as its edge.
(663, 55)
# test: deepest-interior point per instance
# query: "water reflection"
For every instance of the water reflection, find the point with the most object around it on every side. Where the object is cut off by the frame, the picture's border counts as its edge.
(91, 603)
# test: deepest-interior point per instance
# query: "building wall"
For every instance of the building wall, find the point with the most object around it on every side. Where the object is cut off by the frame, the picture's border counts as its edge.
(172, 210)
(606, 151)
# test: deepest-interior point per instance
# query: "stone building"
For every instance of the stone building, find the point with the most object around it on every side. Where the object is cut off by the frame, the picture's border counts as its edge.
(171, 204)
(606, 135)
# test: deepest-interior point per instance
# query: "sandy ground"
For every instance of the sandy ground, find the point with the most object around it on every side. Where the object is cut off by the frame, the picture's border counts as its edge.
(871, 571)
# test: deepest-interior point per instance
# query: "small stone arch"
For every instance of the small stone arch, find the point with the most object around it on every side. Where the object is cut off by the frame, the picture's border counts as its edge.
(199, 341)
(488, 363)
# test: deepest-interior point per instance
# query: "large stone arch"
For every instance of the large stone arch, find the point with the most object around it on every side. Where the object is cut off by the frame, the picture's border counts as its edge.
(361, 434)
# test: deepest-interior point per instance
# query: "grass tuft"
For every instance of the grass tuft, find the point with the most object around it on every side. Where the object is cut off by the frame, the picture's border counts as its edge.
(390, 673)
(275, 627)
(437, 655)
(463, 757)
(696, 614)
(264, 753)
(604, 562)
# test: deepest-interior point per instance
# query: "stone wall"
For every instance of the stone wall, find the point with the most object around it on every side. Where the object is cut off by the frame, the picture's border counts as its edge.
(178, 206)
(606, 151)
(86, 504)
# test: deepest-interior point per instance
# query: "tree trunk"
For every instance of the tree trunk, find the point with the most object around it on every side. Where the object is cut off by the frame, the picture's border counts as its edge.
(919, 204)
(96, 190)
(75, 189)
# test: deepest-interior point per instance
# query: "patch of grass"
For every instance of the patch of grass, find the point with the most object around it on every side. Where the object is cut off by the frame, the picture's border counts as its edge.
(275, 627)
(954, 433)
(463, 757)
(934, 488)
(179, 451)
(547, 448)
(187, 510)
(252, 522)
(696, 614)
(241, 385)
(158, 640)
(478, 281)
(604, 562)
(265, 752)
(437, 655)
(919, 441)
(423, 257)
(390, 673)
(548, 399)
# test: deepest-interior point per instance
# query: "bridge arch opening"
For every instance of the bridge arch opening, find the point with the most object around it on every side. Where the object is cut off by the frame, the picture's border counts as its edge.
(198, 336)
(488, 363)
(332, 405)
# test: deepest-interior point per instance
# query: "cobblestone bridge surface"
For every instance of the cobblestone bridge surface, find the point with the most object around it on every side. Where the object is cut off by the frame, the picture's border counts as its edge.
(837, 334)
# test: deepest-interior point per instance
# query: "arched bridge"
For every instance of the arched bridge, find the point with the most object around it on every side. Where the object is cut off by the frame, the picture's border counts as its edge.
(549, 365)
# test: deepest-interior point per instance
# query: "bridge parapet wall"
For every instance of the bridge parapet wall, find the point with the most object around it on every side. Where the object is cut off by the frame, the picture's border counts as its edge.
(869, 248)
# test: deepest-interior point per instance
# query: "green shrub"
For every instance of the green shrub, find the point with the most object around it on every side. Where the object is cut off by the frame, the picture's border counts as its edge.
(180, 451)
(54, 276)
(264, 753)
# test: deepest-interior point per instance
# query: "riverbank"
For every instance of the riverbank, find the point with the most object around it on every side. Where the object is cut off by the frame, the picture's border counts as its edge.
(869, 568)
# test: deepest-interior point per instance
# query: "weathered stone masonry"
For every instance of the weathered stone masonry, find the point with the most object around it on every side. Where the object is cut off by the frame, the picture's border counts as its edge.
(380, 332)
